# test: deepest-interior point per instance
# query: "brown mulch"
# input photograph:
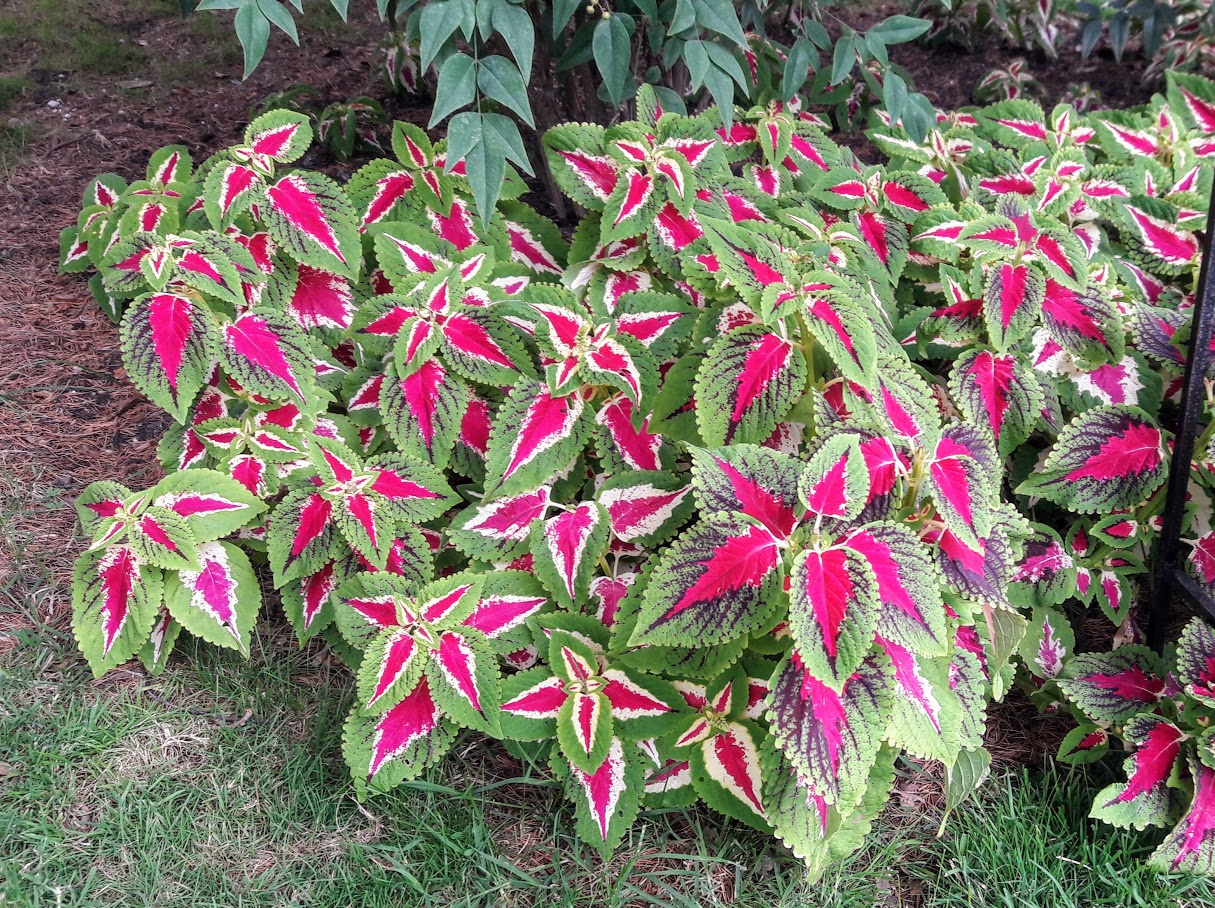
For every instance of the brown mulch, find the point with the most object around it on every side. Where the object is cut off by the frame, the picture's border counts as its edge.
(68, 416)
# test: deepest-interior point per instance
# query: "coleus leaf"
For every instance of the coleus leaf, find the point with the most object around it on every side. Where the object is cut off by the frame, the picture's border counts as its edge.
(1196, 662)
(220, 602)
(608, 798)
(926, 714)
(311, 220)
(367, 604)
(1012, 300)
(212, 504)
(162, 538)
(498, 527)
(1144, 799)
(535, 435)
(715, 583)
(727, 774)
(998, 391)
(464, 672)
(268, 353)
(1190, 845)
(750, 480)
(831, 737)
(1084, 323)
(300, 534)
(308, 601)
(835, 483)
(1114, 686)
(159, 646)
(748, 382)
(424, 411)
(169, 343)
(645, 507)
(1107, 459)
(1046, 572)
(961, 481)
(280, 135)
(313, 297)
(383, 750)
(912, 613)
(833, 612)
(842, 327)
(566, 550)
(115, 601)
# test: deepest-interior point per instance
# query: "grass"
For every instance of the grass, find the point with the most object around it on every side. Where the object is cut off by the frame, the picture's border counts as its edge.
(220, 785)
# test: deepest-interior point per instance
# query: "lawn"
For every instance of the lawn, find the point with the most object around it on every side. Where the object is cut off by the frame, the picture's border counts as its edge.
(221, 783)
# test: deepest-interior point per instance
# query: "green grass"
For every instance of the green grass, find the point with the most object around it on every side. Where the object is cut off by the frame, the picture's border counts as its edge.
(221, 785)
(1028, 843)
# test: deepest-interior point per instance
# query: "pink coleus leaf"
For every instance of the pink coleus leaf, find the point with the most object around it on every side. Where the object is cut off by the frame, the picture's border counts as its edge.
(637, 448)
(115, 601)
(643, 508)
(311, 219)
(499, 525)
(907, 585)
(1190, 845)
(746, 385)
(712, 584)
(321, 299)
(831, 737)
(753, 481)
(536, 434)
(424, 410)
(835, 483)
(1113, 686)
(220, 601)
(567, 548)
(406, 738)
(169, 343)
(269, 354)
(1107, 459)
(833, 611)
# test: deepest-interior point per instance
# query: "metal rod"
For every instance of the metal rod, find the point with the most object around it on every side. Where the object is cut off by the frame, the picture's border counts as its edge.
(1168, 576)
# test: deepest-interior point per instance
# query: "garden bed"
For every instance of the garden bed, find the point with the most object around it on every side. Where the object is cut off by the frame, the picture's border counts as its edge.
(68, 416)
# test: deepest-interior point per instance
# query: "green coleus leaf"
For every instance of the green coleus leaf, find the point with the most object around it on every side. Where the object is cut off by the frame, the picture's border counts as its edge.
(715, 583)
(748, 382)
(116, 598)
(219, 602)
(212, 504)
(1109, 458)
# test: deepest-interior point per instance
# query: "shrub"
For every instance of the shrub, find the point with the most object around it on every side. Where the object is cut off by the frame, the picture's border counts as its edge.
(587, 60)
(781, 466)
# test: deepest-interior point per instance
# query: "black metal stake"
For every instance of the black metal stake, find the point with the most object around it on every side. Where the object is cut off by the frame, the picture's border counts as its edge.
(1169, 578)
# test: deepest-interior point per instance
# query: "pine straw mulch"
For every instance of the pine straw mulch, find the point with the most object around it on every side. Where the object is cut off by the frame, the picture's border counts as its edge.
(68, 416)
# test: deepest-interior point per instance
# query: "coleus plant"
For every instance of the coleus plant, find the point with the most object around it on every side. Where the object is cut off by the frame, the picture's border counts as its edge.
(1161, 711)
(710, 500)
